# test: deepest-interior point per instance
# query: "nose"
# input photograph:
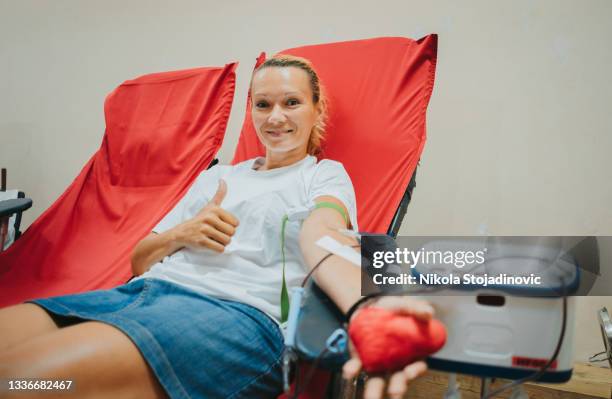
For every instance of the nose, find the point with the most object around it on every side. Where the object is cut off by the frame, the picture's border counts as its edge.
(277, 116)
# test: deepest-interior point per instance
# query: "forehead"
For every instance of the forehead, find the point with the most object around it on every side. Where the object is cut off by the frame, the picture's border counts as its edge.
(279, 80)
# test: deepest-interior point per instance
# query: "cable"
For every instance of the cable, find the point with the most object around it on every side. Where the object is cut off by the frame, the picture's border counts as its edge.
(597, 354)
(544, 368)
(593, 359)
(314, 268)
(319, 264)
(366, 298)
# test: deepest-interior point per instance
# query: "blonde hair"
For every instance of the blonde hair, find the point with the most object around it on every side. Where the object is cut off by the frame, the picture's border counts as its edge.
(319, 98)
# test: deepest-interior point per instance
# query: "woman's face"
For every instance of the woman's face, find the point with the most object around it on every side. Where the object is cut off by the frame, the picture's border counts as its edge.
(283, 112)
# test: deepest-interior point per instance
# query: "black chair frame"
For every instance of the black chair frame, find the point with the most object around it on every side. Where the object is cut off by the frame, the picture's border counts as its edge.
(13, 206)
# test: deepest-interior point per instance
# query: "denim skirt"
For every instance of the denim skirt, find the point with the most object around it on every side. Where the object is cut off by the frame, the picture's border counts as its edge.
(198, 346)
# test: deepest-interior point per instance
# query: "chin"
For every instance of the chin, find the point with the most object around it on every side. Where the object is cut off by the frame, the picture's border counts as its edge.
(281, 146)
(278, 149)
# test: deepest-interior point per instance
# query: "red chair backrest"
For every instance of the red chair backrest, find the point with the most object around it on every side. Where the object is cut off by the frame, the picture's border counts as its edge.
(378, 92)
(162, 130)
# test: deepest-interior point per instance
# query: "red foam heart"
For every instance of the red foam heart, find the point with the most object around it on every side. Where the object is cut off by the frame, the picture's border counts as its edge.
(388, 341)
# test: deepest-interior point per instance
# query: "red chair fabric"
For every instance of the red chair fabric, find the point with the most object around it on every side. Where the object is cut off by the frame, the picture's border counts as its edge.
(378, 92)
(162, 130)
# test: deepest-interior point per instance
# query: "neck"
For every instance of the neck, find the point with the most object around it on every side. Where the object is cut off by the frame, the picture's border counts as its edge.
(278, 160)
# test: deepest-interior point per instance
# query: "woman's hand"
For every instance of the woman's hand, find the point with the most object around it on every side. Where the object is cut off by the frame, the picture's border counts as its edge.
(211, 228)
(398, 382)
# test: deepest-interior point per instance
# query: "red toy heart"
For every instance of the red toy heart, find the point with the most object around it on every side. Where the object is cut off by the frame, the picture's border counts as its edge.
(389, 341)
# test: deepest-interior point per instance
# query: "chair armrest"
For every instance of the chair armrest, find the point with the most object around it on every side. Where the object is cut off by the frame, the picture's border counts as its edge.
(9, 207)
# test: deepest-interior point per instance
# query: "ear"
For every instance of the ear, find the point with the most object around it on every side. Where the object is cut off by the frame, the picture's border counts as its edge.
(318, 110)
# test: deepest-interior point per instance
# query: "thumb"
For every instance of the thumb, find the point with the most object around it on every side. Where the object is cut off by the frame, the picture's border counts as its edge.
(220, 194)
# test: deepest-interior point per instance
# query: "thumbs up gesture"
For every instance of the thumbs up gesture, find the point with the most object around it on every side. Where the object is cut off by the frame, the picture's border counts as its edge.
(211, 228)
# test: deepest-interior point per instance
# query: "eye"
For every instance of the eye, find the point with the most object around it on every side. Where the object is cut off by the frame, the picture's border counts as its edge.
(292, 102)
(261, 104)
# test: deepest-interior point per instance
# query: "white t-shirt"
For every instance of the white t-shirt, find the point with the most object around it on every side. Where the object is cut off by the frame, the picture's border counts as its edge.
(250, 268)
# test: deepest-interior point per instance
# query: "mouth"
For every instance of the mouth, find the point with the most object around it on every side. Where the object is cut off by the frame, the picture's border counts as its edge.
(279, 132)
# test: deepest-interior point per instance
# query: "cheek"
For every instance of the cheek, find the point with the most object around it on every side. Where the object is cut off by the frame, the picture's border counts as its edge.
(307, 120)
(257, 120)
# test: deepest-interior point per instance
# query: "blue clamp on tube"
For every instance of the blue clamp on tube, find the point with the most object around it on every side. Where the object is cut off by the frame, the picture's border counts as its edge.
(289, 355)
(336, 343)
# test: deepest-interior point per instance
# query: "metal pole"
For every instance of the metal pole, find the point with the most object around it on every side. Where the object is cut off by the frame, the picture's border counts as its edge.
(484, 386)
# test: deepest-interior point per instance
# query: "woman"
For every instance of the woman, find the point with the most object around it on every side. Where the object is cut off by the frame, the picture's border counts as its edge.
(202, 317)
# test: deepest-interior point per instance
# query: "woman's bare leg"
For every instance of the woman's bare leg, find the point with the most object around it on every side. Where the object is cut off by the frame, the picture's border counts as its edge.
(101, 361)
(23, 322)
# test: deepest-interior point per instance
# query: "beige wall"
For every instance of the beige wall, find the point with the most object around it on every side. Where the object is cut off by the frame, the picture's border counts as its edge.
(519, 122)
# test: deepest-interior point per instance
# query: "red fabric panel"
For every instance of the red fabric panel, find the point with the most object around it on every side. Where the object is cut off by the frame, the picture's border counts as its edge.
(162, 130)
(317, 381)
(378, 91)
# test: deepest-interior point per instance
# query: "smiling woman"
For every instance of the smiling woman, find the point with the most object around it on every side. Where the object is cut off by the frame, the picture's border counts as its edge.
(289, 108)
(212, 276)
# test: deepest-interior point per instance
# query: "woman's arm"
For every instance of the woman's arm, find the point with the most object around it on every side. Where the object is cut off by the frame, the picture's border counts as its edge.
(211, 228)
(341, 281)
(337, 277)
(152, 249)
